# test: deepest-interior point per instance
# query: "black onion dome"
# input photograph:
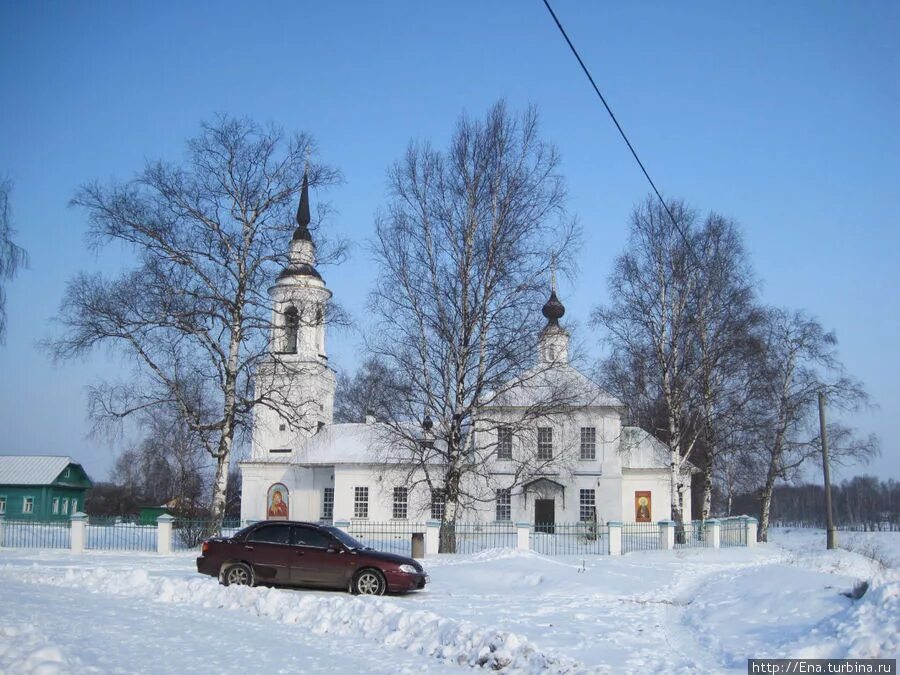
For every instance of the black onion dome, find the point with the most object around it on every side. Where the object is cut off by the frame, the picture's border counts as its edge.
(553, 309)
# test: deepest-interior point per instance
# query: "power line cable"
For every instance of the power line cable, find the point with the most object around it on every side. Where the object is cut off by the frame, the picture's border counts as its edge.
(621, 131)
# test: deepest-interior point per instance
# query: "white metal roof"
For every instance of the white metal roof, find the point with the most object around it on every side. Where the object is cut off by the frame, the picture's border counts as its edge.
(32, 469)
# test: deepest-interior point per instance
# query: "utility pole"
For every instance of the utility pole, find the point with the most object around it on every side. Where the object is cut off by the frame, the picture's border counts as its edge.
(831, 536)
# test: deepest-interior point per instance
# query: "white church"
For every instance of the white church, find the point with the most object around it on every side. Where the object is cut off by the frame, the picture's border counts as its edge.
(326, 471)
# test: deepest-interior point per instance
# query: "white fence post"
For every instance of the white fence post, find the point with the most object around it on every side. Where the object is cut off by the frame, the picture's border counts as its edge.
(432, 537)
(666, 535)
(523, 536)
(2, 529)
(76, 536)
(750, 530)
(615, 537)
(712, 534)
(164, 534)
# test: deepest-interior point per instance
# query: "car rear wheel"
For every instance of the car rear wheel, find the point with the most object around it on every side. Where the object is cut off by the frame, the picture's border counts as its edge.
(369, 582)
(238, 574)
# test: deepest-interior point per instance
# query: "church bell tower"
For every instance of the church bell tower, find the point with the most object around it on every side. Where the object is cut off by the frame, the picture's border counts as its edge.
(296, 382)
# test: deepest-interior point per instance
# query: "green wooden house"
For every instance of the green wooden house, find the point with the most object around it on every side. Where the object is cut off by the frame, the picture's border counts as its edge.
(41, 487)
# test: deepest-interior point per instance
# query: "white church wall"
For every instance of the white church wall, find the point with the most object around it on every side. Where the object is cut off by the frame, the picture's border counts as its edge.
(657, 483)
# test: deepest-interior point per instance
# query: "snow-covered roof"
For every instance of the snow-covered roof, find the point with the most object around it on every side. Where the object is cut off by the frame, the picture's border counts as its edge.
(558, 383)
(639, 449)
(341, 444)
(31, 469)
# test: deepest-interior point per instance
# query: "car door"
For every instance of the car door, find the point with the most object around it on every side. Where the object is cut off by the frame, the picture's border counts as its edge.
(268, 549)
(320, 559)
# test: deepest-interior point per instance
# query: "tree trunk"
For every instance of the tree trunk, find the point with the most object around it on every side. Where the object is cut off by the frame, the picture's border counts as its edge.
(707, 489)
(766, 505)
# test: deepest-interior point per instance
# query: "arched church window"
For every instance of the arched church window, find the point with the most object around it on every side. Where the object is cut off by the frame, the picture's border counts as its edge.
(291, 321)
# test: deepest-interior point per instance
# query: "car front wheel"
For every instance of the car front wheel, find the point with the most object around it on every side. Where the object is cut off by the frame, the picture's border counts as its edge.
(238, 574)
(369, 582)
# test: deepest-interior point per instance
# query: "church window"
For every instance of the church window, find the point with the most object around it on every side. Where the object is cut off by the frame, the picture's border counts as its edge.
(328, 503)
(587, 506)
(438, 501)
(504, 505)
(401, 500)
(56, 505)
(504, 443)
(291, 321)
(588, 443)
(27, 504)
(545, 443)
(282, 427)
(360, 502)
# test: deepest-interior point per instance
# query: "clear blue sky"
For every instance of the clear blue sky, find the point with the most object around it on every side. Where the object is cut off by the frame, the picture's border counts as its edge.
(783, 116)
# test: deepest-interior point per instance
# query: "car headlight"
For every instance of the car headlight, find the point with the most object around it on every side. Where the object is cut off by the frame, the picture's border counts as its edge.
(408, 569)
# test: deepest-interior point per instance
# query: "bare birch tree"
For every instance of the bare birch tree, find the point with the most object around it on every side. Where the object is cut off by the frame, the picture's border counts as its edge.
(463, 255)
(12, 256)
(648, 328)
(193, 316)
(722, 317)
(797, 360)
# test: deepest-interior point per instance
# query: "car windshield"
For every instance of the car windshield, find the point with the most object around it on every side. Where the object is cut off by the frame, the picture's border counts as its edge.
(344, 538)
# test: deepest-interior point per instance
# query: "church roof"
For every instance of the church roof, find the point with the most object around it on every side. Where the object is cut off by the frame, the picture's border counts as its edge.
(32, 469)
(558, 382)
(639, 449)
(341, 444)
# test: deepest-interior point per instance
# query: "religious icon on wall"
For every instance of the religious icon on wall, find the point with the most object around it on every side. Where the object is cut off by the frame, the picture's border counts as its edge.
(277, 502)
(642, 507)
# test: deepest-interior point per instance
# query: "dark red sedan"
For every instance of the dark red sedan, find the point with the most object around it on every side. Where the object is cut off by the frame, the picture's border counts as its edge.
(307, 554)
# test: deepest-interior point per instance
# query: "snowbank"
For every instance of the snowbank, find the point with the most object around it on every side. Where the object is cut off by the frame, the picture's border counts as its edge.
(24, 649)
(450, 640)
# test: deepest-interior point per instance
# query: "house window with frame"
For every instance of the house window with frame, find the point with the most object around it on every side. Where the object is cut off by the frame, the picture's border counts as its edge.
(2, 505)
(361, 502)
(401, 501)
(55, 506)
(438, 501)
(504, 505)
(587, 506)
(545, 443)
(27, 504)
(65, 506)
(588, 443)
(328, 503)
(74, 504)
(504, 443)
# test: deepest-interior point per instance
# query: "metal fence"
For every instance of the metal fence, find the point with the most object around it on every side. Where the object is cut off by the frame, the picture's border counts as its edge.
(119, 534)
(394, 536)
(476, 537)
(32, 534)
(692, 535)
(640, 537)
(733, 532)
(188, 534)
(583, 538)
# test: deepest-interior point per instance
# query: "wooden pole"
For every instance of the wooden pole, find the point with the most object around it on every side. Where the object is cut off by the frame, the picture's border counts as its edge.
(831, 535)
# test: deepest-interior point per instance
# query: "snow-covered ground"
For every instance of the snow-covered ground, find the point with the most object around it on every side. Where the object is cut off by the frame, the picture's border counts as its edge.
(660, 611)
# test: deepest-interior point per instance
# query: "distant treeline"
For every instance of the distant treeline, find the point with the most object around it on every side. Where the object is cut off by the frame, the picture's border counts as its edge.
(861, 503)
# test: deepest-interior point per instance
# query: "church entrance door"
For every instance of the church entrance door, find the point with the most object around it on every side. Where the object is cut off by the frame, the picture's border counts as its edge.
(544, 515)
